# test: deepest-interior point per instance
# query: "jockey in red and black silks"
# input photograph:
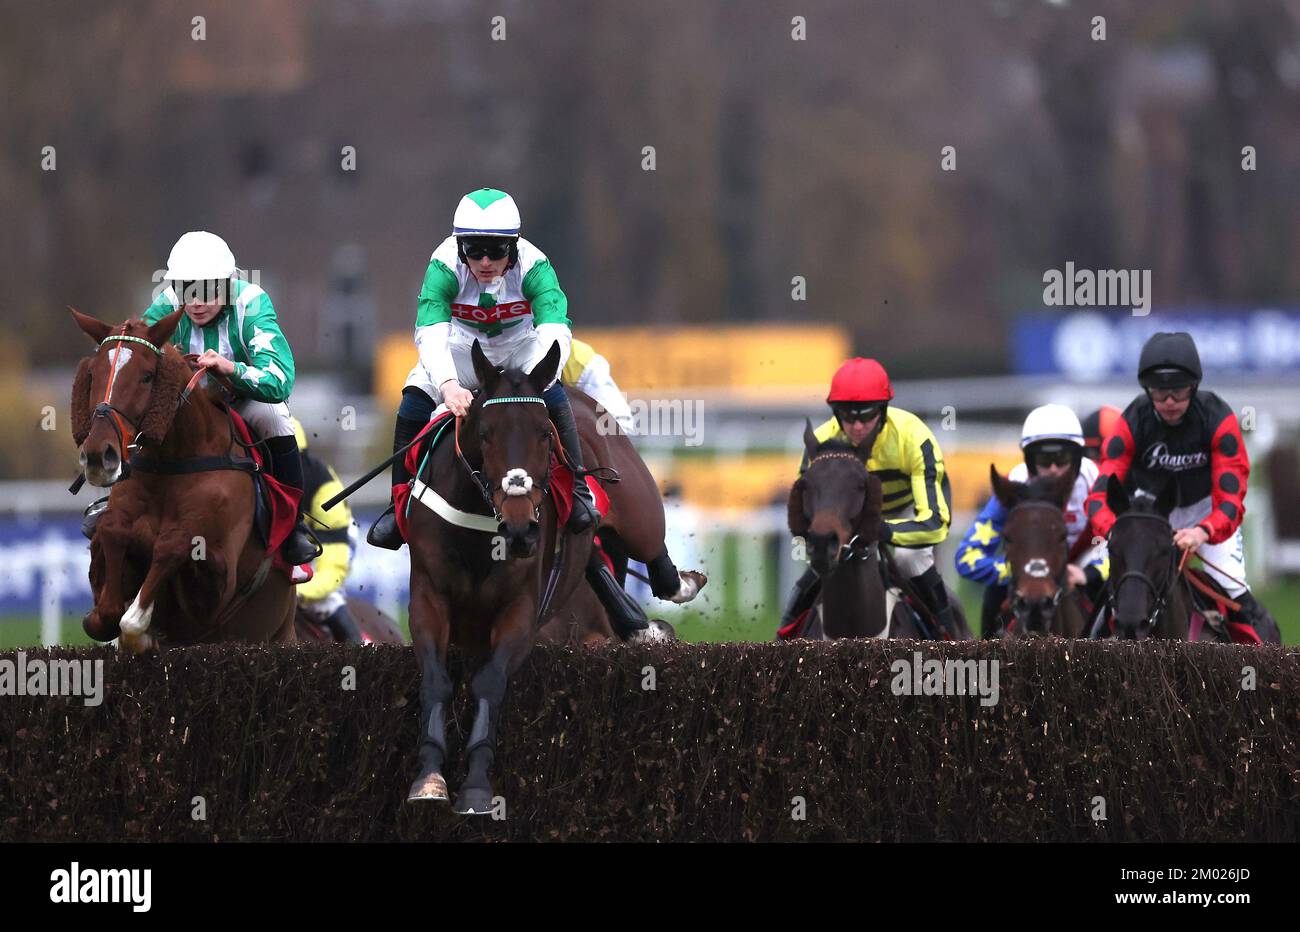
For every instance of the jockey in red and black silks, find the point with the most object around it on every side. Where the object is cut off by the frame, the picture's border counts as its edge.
(1175, 431)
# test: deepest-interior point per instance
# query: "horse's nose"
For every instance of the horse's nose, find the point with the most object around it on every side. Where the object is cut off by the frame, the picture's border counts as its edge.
(822, 548)
(521, 540)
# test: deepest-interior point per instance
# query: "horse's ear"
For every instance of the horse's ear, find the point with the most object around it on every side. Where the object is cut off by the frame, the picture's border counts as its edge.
(161, 331)
(97, 330)
(1116, 498)
(1004, 489)
(547, 369)
(810, 443)
(795, 517)
(486, 372)
(1167, 500)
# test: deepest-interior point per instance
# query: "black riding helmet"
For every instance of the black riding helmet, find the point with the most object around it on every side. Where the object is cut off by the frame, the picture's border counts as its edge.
(1169, 360)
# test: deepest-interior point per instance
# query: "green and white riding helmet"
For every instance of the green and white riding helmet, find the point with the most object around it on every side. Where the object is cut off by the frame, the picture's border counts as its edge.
(487, 221)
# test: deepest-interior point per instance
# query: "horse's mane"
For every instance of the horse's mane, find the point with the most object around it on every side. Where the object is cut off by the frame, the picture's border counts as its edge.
(835, 445)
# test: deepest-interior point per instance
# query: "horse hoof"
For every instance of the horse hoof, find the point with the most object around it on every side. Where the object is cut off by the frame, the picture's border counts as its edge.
(432, 788)
(656, 631)
(473, 801)
(692, 583)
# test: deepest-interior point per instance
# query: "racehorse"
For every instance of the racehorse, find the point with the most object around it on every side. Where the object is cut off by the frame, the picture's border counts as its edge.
(486, 590)
(178, 538)
(1037, 551)
(1144, 593)
(835, 507)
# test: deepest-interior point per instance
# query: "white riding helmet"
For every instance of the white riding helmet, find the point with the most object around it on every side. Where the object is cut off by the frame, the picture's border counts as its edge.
(486, 212)
(1051, 422)
(199, 256)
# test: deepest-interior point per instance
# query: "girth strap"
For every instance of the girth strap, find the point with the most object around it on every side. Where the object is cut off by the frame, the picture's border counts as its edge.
(194, 464)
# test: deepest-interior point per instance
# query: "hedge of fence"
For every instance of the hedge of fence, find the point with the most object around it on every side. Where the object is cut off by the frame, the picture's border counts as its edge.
(804, 741)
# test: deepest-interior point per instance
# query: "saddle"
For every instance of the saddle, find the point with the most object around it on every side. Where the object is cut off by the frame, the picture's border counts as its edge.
(560, 484)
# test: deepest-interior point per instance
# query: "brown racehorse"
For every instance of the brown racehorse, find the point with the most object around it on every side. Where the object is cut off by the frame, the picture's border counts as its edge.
(486, 588)
(1037, 551)
(180, 545)
(835, 507)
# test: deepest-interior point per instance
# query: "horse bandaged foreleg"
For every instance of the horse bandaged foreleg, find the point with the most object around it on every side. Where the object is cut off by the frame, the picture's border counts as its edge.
(669, 584)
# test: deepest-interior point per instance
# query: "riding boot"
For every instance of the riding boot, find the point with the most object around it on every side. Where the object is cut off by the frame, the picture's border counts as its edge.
(286, 466)
(1252, 613)
(626, 617)
(385, 532)
(991, 611)
(929, 585)
(584, 513)
(802, 596)
(90, 520)
(343, 626)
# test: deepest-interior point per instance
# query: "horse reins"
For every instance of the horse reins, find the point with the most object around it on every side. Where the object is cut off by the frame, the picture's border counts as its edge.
(123, 425)
(1037, 572)
(1160, 598)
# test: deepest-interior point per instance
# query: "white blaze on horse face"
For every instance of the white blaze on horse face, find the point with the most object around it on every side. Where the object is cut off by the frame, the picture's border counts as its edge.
(121, 356)
(517, 482)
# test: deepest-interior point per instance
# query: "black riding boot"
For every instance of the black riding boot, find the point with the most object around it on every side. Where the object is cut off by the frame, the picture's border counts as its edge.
(343, 626)
(991, 610)
(584, 506)
(929, 585)
(802, 596)
(384, 532)
(286, 466)
(625, 615)
(1252, 613)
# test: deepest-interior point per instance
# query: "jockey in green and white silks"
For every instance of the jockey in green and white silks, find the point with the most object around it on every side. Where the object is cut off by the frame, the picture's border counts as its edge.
(230, 325)
(484, 282)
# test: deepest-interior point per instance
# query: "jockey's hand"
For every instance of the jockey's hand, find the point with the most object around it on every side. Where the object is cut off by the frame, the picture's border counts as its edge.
(1190, 538)
(211, 359)
(1074, 576)
(456, 399)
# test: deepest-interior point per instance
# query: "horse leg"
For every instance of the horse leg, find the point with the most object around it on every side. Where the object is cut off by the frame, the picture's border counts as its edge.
(169, 554)
(511, 641)
(429, 635)
(109, 569)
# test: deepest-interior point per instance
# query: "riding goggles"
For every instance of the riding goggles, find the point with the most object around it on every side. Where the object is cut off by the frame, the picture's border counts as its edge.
(862, 413)
(1059, 456)
(203, 291)
(1160, 395)
(492, 248)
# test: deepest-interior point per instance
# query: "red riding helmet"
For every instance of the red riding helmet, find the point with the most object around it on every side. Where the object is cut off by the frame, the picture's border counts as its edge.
(860, 380)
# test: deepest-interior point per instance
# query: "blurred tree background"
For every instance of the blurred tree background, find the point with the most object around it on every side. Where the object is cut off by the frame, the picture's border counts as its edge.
(774, 157)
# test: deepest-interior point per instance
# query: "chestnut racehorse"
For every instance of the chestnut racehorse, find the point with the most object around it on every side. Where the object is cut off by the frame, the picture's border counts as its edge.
(178, 539)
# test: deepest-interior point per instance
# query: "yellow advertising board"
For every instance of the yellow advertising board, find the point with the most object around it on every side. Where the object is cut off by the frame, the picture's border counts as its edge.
(676, 358)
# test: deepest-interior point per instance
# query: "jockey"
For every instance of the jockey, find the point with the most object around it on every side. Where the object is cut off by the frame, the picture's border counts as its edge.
(323, 597)
(1053, 443)
(588, 371)
(231, 326)
(1097, 426)
(906, 458)
(484, 282)
(1175, 432)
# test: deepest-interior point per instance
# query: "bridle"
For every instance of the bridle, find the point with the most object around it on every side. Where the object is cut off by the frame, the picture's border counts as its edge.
(853, 549)
(1159, 598)
(123, 424)
(516, 481)
(1038, 568)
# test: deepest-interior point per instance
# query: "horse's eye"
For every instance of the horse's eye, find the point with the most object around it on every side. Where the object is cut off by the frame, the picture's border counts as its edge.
(148, 377)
